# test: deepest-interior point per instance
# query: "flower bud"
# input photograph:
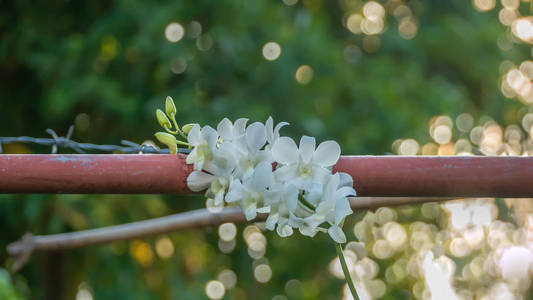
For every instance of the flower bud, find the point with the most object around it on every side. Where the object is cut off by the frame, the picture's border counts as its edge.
(169, 140)
(163, 119)
(170, 107)
(186, 128)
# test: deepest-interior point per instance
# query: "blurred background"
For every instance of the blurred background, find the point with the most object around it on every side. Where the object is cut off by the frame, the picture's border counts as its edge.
(405, 77)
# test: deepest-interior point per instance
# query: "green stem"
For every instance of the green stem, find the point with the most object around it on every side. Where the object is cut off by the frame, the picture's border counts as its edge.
(182, 143)
(182, 134)
(175, 123)
(170, 131)
(306, 203)
(345, 270)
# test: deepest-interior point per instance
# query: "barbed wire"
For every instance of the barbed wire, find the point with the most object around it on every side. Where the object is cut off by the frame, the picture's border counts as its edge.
(57, 141)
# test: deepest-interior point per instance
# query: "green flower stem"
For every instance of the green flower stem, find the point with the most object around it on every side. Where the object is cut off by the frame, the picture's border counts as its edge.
(182, 134)
(306, 203)
(345, 270)
(182, 143)
(170, 131)
(173, 118)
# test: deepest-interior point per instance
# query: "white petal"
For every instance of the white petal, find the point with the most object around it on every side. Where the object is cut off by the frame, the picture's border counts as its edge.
(210, 135)
(325, 207)
(284, 231)
(239, 126)
(271, 196)
(320, 174)
(345, 179)
(307, 231)
(271, 221)
(250, 212)
(278, 127)
(345, 191)
(295, 221)
(327, 154)
(198, 181)
(285, 151)
(314, 193)
(286, 173)
(337, 234)
(213, 168)
(263, 210)
(194, 137)
(199, 164)
(219, 198)
(307, 148)
(269, 127)
(225, 129)
(264, 155)
(291, 197)
(263, 176)
(256, 136)
(314, 220)
(342, 209)
(236, 192)
(331, 187)
(191, 157)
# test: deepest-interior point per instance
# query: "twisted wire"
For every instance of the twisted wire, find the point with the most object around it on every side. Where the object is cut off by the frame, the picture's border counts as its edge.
(57, 141)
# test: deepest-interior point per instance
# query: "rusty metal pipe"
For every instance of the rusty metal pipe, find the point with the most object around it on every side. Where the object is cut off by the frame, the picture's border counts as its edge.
(376, 176)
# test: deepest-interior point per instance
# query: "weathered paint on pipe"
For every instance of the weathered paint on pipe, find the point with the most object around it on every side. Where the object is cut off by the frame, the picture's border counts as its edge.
(440, 176)
(392, 176)
(94, 174)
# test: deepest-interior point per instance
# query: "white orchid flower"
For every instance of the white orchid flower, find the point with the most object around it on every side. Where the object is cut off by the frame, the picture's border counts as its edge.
(217, 175)
(333, 207)
(231, 131)
(305, 164)
(221, 167)
(272, 133)
(250, 194)
(281, 199)
(234, 164)
(204, 142)
(249, 152)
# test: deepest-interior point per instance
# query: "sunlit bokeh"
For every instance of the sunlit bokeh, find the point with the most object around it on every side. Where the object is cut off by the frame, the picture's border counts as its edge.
(262, 273)
(204, 42)
(215, 290)
(484, 5)
(271, 51)
(194, 29)
(227, 231)
(141, 252)
(83, 293)
(228, 278)
(178, 65)
(164, 247)
(255, 241)
(304, 74)
(174, 32)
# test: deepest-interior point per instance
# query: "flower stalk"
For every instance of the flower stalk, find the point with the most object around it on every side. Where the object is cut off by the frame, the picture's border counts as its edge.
(345, 270)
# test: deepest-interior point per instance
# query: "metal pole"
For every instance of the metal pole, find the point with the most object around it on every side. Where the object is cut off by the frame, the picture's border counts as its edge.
(376, 176)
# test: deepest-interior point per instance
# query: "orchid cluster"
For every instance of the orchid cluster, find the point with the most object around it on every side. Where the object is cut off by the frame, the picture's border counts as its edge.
(263, 172)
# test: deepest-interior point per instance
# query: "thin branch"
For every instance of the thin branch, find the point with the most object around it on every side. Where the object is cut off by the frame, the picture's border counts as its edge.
(22, 250)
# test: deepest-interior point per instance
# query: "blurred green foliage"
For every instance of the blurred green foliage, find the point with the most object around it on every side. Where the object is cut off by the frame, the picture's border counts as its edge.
(106, 66)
